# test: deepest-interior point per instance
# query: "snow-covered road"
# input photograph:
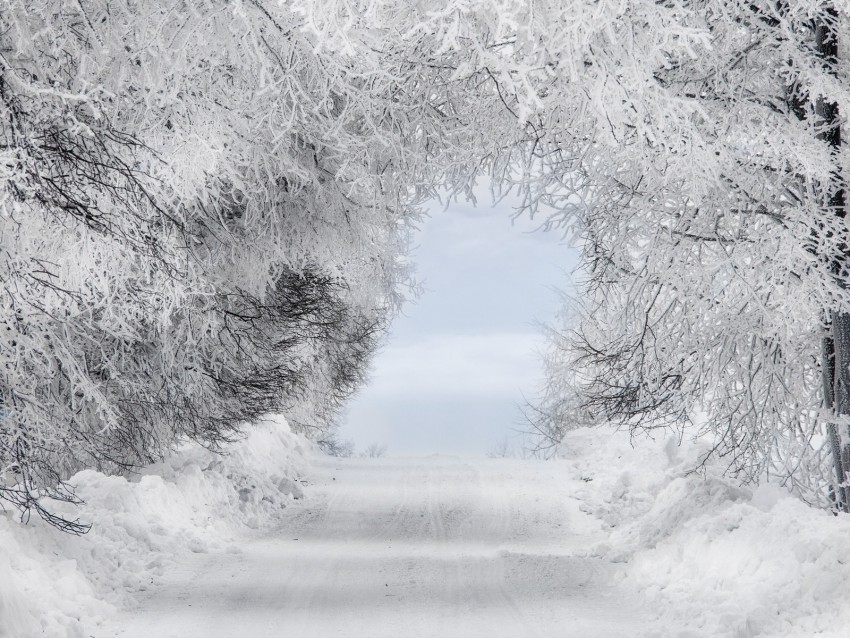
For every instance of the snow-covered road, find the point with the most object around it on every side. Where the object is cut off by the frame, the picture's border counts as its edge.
(405, 548)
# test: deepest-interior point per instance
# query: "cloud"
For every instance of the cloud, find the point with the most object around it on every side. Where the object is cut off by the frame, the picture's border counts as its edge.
(459, 365)
(461, 359)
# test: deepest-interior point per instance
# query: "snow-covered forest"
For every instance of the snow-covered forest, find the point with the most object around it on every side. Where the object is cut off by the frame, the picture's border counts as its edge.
(206, 208)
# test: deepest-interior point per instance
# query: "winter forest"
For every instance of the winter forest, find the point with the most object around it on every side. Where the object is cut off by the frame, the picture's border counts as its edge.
(206, 210)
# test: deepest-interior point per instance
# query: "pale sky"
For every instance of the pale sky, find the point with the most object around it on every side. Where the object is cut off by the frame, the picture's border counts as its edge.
(460, 360)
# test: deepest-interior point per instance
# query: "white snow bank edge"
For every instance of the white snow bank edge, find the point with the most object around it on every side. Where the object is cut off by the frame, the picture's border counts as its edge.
(55, 585)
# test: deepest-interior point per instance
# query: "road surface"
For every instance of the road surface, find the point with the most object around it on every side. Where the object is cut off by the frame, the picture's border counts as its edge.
(435, 547)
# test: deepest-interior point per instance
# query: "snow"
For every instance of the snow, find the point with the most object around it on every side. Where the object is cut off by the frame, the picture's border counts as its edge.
(435, 546)
(56, 585)
(712, 558)
(609, 540)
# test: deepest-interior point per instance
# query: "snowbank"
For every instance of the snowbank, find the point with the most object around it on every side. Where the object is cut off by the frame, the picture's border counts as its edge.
(714, 559)
(56, 585)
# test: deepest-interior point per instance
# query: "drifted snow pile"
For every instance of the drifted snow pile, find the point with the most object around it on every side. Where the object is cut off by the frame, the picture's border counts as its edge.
(713, 559)
(56, 585)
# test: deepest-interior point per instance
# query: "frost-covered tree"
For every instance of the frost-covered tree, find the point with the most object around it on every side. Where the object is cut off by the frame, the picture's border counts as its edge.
(198, 225)
(694, 148)
(204, 203)
(713, 229)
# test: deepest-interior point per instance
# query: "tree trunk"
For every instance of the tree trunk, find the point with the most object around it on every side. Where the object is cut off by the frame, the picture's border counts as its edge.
(836, 375)
(836, 346)
(839, 493)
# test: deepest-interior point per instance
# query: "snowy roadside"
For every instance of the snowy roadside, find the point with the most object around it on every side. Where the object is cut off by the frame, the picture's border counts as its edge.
(713, 559)
(57, 586)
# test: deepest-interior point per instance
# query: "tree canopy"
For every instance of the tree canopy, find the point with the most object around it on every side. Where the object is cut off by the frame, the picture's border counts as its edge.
(205, 204)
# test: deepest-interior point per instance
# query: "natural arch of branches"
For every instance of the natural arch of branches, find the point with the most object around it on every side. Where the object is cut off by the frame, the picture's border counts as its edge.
(205, 204)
